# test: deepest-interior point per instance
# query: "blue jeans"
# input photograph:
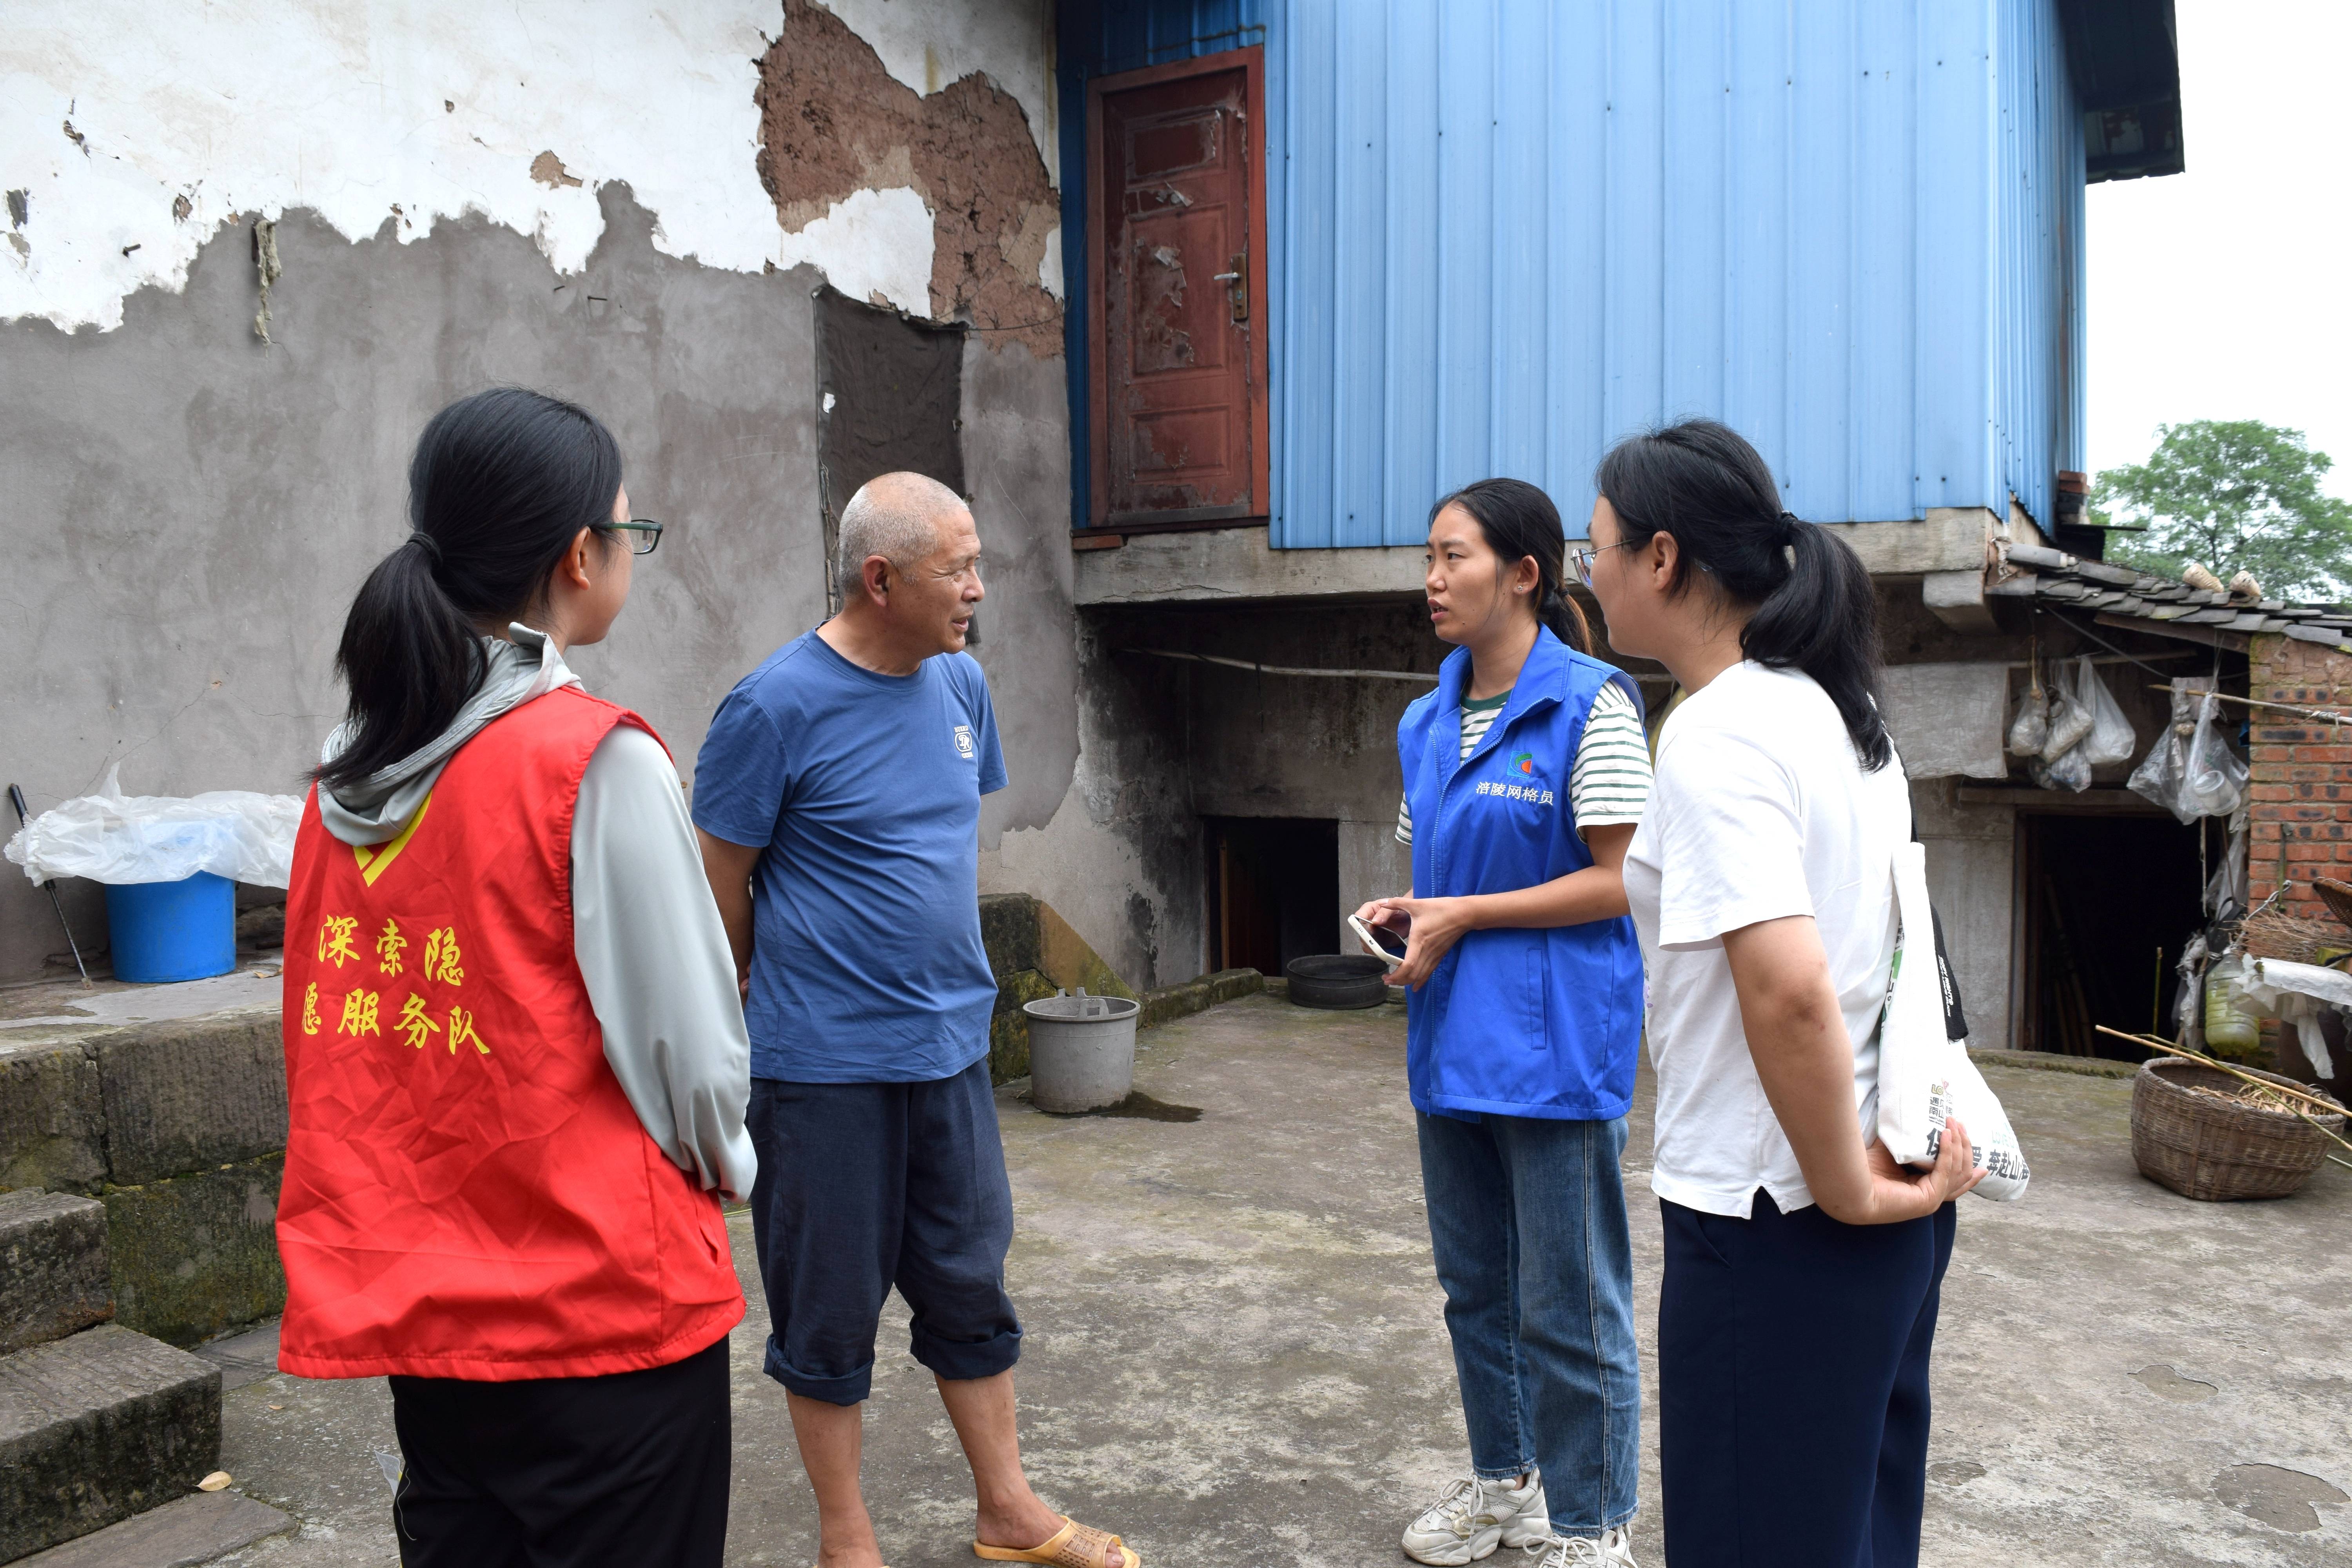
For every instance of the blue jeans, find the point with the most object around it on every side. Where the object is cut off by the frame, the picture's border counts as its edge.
(1526, 1217)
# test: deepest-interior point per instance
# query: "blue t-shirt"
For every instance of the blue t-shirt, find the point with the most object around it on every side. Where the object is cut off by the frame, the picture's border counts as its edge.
(863, 791)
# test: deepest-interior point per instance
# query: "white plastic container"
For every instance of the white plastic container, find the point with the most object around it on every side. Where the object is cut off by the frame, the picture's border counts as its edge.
(1081, 1051)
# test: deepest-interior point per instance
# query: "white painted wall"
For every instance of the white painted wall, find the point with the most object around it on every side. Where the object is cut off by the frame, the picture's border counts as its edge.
(113, 113)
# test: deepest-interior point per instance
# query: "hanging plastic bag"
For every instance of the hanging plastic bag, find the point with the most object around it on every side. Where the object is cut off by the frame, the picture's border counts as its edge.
(2031, 725)
(2112, 739)
(1924, 1076)
(112, 837)
(2070, 716)
(2215, 780)
(2070, 772)
(2163, 772)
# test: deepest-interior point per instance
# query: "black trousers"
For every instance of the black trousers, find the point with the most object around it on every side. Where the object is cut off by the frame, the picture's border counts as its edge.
(1792, 1386)
(628, 1470)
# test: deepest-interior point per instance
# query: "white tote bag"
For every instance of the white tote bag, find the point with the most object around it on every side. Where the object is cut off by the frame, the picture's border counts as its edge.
(1924, 1071)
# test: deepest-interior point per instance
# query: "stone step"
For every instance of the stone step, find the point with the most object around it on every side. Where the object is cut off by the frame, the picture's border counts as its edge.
(96, 1427)
(53, 1277)
(203, 1527)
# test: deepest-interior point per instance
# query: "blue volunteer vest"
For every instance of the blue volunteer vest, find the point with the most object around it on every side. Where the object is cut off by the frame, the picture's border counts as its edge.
(1515, 1023)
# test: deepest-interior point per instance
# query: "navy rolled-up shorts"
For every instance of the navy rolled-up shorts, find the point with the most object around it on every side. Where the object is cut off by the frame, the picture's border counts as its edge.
(866, 1185)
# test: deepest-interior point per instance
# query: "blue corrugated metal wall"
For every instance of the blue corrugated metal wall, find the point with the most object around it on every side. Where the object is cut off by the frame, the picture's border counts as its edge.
(1520, 228)
(1506, 232)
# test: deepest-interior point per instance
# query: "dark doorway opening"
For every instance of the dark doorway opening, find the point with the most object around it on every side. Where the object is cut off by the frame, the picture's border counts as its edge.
(2107, 904)
(1274, 890)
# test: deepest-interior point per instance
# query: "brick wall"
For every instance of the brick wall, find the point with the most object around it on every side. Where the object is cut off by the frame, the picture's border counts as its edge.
(2300, 806)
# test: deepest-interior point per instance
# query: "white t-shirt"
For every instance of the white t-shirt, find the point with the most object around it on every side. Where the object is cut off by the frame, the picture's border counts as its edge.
(1760, 810)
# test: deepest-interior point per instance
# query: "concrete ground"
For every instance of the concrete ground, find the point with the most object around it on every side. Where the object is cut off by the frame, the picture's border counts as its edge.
(1235, 1355)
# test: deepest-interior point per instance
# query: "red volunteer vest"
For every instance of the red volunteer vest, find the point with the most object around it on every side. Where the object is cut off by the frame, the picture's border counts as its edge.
(468, 1192)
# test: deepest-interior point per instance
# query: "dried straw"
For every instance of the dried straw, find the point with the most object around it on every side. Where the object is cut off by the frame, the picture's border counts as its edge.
(2292, 939)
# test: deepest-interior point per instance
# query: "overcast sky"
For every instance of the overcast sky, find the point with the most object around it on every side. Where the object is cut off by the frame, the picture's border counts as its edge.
(2225, 292)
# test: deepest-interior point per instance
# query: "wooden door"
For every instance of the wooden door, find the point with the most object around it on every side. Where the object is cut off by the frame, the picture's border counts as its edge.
(1177, 279)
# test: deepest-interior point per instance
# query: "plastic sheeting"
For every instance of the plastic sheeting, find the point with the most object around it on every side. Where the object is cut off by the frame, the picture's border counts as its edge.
(113, 838)
(2293, 993)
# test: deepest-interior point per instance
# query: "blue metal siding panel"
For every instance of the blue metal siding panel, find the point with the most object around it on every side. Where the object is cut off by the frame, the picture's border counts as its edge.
(1850, 227)
(1958, 251)
(2039, 339)
(1576, 336)
(1409, 391)
(1813, 467)
(1505, 232)
(1308, 391)
(1632, 220)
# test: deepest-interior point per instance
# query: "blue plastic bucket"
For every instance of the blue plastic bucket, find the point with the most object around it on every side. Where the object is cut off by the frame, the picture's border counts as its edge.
(172, 930)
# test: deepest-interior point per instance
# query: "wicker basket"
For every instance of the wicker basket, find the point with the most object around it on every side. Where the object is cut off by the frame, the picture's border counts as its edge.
(2206, 1148)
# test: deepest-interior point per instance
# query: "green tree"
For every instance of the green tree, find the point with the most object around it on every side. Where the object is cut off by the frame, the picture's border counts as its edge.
(2232, 494)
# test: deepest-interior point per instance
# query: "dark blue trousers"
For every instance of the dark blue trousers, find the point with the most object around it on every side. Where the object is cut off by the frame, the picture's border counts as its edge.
(1792, 1386)
(866, 1185)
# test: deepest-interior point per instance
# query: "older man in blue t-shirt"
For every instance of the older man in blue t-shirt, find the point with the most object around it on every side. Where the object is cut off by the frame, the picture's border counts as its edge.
(837, 797)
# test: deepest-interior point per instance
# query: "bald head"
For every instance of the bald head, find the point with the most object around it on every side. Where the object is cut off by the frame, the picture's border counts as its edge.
(899, 517)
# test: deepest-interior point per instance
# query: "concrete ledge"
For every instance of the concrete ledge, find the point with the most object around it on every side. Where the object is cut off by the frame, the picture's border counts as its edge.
(52, 1118)
(200, 1528)
(1237, 564)
(97, 1428)
(1172, 1002)
(189, 1094)
(53, 1277)
(2051, 1061)
(196, 1255)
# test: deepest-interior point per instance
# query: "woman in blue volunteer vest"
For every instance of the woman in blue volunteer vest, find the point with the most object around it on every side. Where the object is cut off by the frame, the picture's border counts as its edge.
(1525, 772)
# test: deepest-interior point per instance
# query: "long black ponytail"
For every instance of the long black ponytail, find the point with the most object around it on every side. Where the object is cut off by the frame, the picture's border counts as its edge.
(1518, 520)
(501, 483)
(1813, 609)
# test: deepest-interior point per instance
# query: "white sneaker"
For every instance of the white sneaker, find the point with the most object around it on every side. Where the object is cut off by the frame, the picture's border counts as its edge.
(1610, 1549)
(1471, 1516)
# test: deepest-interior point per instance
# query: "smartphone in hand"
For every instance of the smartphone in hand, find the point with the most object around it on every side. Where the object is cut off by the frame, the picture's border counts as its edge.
(1378, 940)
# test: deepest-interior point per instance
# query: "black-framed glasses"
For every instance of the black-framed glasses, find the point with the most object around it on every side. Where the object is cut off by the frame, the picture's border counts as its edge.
(1585, 557)
(643, 534)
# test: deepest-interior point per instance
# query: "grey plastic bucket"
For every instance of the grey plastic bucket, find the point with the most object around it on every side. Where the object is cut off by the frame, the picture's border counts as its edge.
(1081, 1051)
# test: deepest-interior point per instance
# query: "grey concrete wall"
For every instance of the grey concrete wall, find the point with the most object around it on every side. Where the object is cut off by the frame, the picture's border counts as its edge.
(1971, 865)
(190, 509)
(1094, 820)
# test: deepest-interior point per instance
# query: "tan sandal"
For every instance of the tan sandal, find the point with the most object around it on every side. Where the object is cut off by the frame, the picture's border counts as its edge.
(1075, 1545)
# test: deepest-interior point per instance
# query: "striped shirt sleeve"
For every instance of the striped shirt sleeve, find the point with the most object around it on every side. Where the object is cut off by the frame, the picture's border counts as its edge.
(1610, 781)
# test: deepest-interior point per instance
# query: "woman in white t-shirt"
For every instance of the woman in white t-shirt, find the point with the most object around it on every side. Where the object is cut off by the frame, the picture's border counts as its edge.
(1802, 1265)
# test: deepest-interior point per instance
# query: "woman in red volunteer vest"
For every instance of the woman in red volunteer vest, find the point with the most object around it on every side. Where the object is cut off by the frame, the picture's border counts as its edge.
(514, 1048)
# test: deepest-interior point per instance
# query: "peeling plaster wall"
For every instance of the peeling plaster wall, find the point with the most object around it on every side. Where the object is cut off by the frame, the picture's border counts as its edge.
(197, 509)
(629, 208)
(138, 127)
(133, 130)
(835, 121)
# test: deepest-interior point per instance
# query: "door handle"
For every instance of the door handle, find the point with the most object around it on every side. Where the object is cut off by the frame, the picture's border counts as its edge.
(1237, 284)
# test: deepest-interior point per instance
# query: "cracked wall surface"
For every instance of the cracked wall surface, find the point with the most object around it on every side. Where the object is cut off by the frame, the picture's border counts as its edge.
(463, 197)
(833, 122)
(130, 131)
(199, 508)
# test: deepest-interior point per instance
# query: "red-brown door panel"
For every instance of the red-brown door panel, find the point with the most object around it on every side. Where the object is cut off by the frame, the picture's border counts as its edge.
(1179, 395)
